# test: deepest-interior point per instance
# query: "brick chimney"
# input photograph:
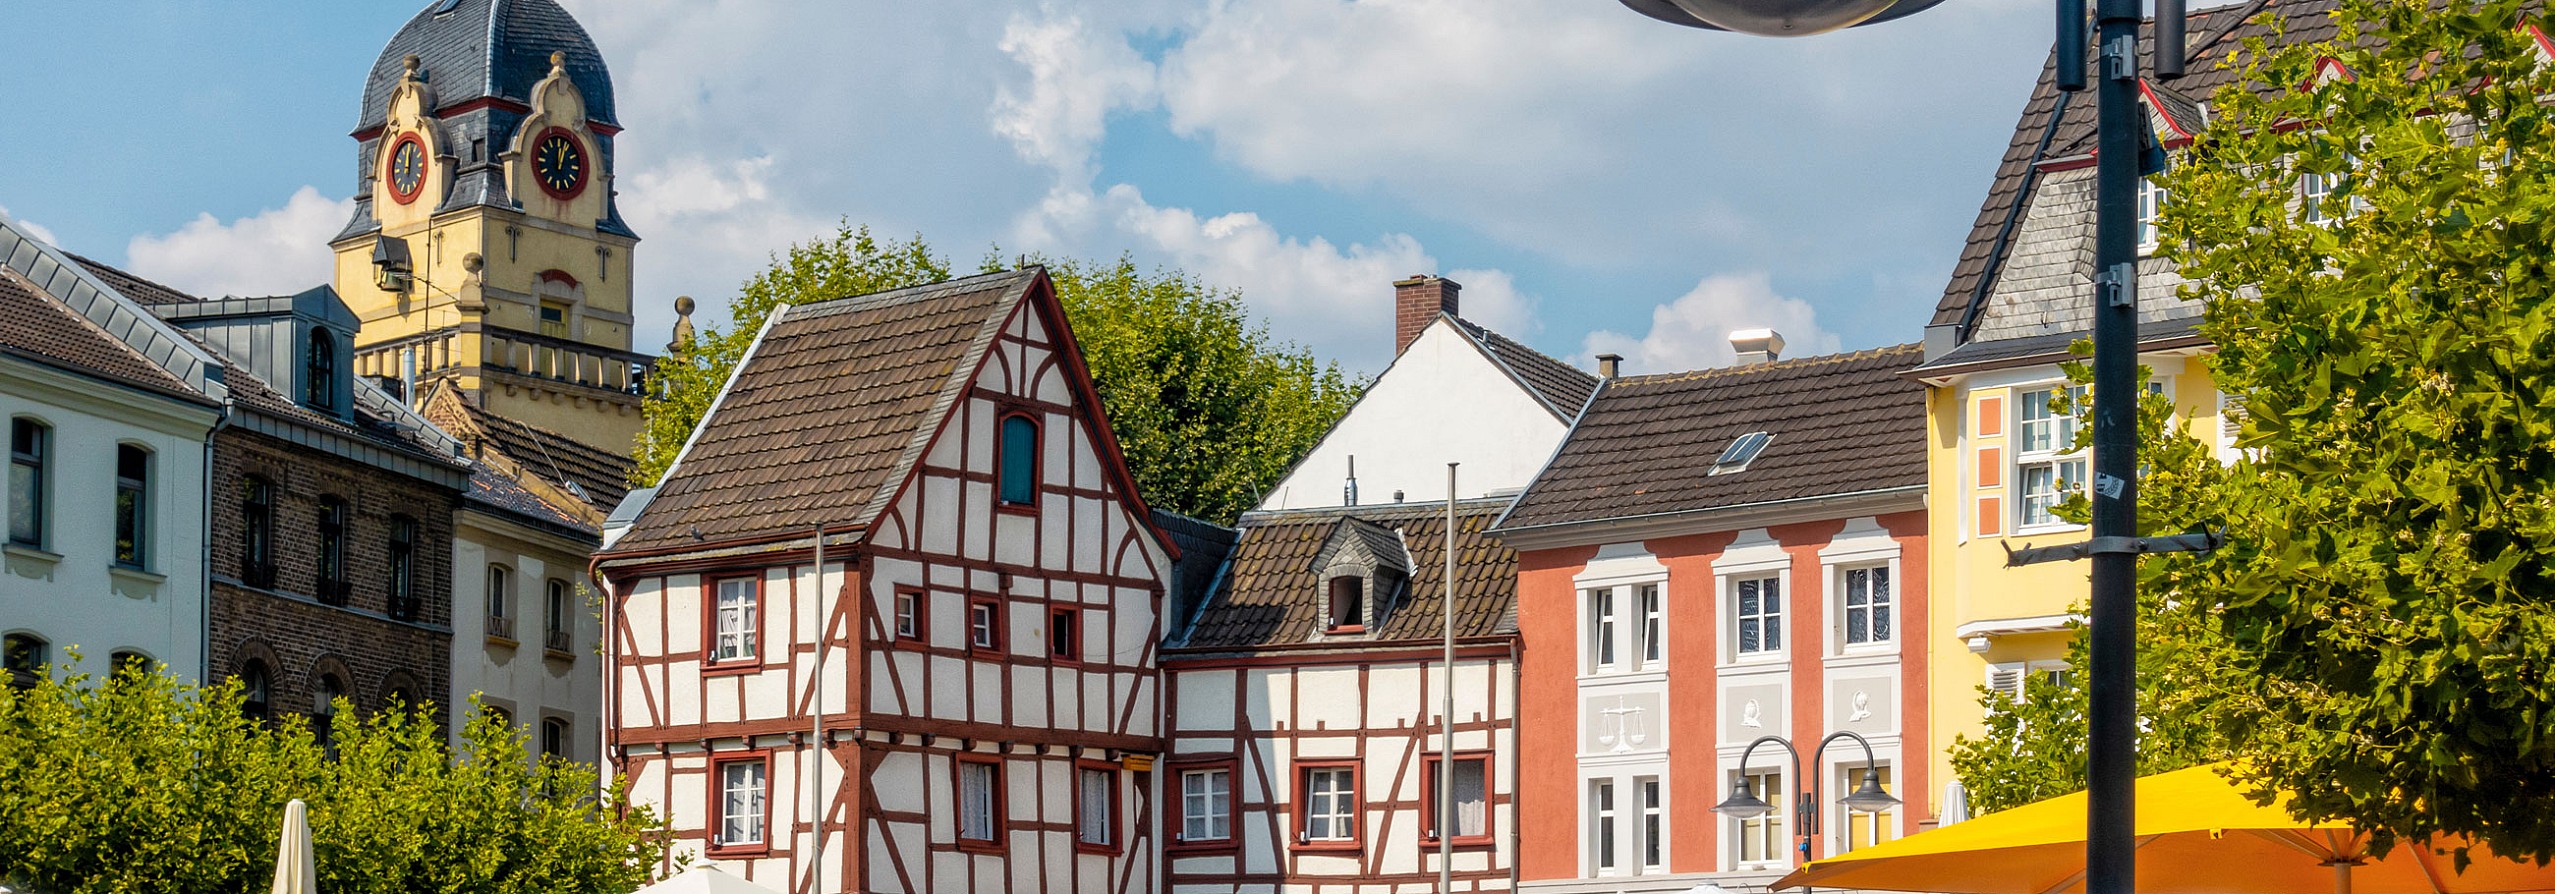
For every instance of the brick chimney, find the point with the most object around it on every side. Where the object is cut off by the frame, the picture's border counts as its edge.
(1757, 346)
(1416, 303)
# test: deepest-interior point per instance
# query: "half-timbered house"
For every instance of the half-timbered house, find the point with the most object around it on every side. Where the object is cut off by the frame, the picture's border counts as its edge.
(890, 622)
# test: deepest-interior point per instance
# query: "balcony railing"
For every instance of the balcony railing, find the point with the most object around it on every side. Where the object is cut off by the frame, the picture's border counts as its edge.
(557, 642)
(501, 627)
(510, 350)
(335, 592)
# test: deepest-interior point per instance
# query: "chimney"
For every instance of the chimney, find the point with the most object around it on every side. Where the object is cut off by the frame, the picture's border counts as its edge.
(1609, 365)
(1757, 346)
(1416, 303)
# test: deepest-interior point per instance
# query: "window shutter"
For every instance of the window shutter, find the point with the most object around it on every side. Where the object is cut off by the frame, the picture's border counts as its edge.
(2006, 680)
(2231, 416)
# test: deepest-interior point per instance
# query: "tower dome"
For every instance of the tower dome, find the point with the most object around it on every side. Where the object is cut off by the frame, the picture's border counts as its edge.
(489, 49)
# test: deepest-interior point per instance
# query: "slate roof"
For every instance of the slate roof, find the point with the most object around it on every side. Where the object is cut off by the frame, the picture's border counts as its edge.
(603, 475)
(1270, 594)
(38, 328)
(1842, 423)
(2212, 34)
(1563, 388)
(2043, 348)
(489, 487)
(826, 409)
(484, 48)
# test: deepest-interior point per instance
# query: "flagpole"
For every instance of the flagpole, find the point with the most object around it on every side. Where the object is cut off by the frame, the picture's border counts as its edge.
(1446, 720)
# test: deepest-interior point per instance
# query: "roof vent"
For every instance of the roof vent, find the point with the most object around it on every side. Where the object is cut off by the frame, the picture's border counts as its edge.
(1742, 450)
(1757, 346)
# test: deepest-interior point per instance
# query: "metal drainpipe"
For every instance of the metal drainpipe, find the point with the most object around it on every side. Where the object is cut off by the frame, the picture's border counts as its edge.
(204, 605)
(1516, 678)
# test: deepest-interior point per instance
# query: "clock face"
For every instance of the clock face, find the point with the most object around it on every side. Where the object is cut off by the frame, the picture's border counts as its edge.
(559, 164)
(407, 168)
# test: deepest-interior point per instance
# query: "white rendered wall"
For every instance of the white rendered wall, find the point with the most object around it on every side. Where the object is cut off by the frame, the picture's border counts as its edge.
(1442, 401)
(69, 592)
(524, 678)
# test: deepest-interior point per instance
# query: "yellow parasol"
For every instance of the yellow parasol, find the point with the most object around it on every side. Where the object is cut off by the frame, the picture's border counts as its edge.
(2196, 834)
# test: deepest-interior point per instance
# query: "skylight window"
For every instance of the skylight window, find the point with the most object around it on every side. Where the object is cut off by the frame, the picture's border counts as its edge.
(446, 6)
(1742, 450)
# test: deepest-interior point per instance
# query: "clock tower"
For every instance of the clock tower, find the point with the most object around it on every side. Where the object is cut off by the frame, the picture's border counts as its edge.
(486, 253)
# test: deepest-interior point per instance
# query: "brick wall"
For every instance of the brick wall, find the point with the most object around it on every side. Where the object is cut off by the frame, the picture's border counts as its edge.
(1416, 303)
(286, 625)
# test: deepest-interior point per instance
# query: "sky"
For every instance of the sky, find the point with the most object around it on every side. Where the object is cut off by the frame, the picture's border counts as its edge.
(1598, 181)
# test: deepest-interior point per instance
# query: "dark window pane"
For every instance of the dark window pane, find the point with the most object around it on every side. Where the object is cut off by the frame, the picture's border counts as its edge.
(1018, 476)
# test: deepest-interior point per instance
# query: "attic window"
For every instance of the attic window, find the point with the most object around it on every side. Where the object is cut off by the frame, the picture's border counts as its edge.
(1743, 450)
(319, 373)
(1348, 603)
(447, 6)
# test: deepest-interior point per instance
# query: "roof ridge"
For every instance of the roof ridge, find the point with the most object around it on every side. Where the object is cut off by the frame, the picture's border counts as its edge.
(912, 293)
(1482, 337)
(1773, 366)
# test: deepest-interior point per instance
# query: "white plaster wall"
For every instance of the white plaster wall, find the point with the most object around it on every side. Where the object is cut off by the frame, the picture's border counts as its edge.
(523, 677)
(1442, 401)
(69, 593)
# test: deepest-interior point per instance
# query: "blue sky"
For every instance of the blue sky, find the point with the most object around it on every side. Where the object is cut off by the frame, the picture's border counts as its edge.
(1598, 181)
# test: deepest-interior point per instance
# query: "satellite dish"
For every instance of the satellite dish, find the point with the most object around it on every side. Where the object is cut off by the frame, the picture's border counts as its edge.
(1778, 18)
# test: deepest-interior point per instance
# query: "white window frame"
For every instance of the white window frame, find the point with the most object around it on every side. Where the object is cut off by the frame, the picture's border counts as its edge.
(1604, 634)
(2049, 452)
(1882, 607)
(1206, 811)
(734, 637)
(1840, 834)
(1333, 802)
(1773, 830)
(1096, 824)
(2007, 677)
(1652, 834)
(909, 614)
(754, 790)
(2151, 206)
(1651, 630)
(1603, 838)
(1765, 650)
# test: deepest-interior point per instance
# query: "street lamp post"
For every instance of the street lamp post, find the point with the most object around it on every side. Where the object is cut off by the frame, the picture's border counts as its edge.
(2121, 140)
(1869, 797)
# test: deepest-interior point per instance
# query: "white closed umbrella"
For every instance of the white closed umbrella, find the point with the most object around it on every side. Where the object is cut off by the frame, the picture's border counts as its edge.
(1955, 803)
(296, 870)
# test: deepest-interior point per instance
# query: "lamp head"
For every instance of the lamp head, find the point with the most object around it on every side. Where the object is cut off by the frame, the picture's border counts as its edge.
(1777, 18)
(1869, 797)
(1743, 802)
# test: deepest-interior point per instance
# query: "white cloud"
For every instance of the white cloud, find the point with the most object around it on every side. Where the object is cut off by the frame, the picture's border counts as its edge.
(30, 227)
(1693, 332)
(1075, 80)
(707, 215)
(277, 251)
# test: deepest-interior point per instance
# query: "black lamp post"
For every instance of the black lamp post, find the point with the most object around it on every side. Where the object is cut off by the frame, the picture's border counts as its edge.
(1869, 797)
(2121, 140)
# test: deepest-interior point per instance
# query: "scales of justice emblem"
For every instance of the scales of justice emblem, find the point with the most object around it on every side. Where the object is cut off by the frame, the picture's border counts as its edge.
(1622, 728)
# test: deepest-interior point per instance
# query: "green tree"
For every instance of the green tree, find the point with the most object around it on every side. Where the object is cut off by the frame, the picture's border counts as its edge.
(1209, 411)
(140, 784)
(2378, 637)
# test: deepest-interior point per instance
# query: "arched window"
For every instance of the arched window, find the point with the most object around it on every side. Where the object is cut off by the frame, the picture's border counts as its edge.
(30, 446)
(333, 587)
(1348, 602)
(403, 568)
(324, 711)
(1017, 478)
(319, 372)
(257, 533)
(554, 738)
(128, 661)
(132, 505)
(257, 690)
(555, 620)
(23, 656)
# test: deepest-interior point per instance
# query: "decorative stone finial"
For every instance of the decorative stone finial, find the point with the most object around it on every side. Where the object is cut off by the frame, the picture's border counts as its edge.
(408, 67)
(682, 324)
(472, 263)
(558, 62)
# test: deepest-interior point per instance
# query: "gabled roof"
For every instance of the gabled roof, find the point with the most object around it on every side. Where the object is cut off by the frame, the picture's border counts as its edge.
(830, 411)
(2214, 33)
(1841, 424)
(75, 286)
(38, 328)
(1271, 593)
(1561, 387)
(598, 477)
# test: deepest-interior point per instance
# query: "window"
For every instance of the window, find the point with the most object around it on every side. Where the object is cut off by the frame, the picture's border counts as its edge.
(1742, 451)
(556, 622)
(1601, 803)
(1759, 615)
(257, 533)
(2313, 192)
(319, 373)
(1472, 799)
(23, 656)
(1096, 809)
(735, 622)
(1601, 628)
(554, 319)
(1206, 805)
(1654, 825)
(127, 661)
(554, 738)
(1867, 605)
(1348, 603)
(257, 688)
(132, 505)
(1064, 627)
(2048, 467)
(332, 551)
(403, 567)
(1017, 479)
(324, 711)
(1762, 840)
(29, 442)
(743, 805)
(984, 623)
(2151, 203)
(1329, 804)
(979, 800)
(909, 614)
(1856, 828)
(501, 599)
(1652, 642)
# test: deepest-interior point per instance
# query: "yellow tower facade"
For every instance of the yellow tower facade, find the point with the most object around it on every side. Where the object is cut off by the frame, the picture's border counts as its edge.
(486, 251)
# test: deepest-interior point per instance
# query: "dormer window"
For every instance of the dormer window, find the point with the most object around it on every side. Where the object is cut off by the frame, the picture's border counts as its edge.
(1742, 450)
(319, 373)
(1348, 603)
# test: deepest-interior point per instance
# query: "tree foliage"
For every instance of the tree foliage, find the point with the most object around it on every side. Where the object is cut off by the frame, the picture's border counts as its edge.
(2378, 637)
(139, 784)
(1209, 411)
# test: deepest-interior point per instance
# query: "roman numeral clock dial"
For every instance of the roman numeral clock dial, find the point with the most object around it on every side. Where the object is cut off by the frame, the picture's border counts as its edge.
(559, 164)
